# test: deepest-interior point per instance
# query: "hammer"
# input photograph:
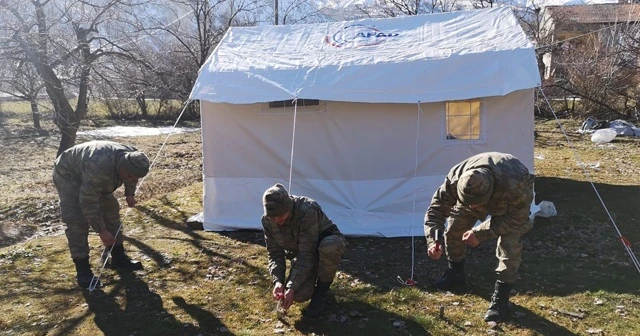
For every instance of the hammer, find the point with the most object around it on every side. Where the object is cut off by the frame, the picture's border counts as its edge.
(438, 237)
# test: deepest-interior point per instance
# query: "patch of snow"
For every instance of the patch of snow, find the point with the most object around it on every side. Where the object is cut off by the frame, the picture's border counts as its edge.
(133, 131)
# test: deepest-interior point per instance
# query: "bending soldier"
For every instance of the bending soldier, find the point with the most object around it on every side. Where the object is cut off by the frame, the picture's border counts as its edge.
(296, 228)
(86, 176)
(493, 184)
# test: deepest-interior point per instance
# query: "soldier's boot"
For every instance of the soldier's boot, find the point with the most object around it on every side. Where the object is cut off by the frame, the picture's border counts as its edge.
(453, 276)
(499, 303)
(318, 299)
(120, 260)
(84, 275)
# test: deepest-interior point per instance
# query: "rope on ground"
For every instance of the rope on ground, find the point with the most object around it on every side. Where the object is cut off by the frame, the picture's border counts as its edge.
(105, 254)
(625, 241)
(410, 281)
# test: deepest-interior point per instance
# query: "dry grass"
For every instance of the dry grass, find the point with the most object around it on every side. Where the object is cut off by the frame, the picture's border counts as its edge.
(204, 283)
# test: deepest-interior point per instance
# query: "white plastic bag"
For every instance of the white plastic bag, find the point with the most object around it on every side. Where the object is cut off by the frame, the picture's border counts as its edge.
(603, 135)
(547, 209)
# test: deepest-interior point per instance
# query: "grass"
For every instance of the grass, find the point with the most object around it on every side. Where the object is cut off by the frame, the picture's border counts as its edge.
(576, 278)
(97, 114)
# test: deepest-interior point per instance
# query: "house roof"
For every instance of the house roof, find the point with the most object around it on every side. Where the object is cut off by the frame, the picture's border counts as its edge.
(422, 58)
(591, 14)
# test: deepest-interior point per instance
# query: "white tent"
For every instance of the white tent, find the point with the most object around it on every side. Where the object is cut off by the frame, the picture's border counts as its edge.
(383, 108)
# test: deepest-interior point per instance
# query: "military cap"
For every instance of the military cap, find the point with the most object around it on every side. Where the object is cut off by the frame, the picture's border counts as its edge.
(136, 164)
(475, 186)
(276, 201)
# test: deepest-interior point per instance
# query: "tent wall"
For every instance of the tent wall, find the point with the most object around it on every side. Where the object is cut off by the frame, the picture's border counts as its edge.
(357, 160)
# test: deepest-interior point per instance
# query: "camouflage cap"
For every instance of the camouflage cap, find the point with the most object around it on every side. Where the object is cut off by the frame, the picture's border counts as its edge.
(475, 186)
(136, 164)
(276, 201)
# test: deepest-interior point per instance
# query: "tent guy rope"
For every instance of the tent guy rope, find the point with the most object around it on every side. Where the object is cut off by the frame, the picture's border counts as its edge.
(410, 281)
(293, 141)
(624, 240)
(107, 250)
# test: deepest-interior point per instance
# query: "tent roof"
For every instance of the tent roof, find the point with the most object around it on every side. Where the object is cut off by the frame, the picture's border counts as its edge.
(422, 58)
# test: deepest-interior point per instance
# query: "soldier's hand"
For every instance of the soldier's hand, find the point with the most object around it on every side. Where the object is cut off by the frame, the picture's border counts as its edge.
(107, 238)
(288, 299)
(278, 291)
(470, 239)
(434, 252)
(131, 201)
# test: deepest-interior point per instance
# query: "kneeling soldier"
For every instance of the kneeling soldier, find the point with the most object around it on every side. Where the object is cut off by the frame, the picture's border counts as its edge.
(296, 228)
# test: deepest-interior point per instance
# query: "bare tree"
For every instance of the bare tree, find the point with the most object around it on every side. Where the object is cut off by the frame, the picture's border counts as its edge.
(301, 11)
(393, 8)
(64, 40)
(483, 3)
(539, 27)
(594, 62)
(21, 80)
(176, 41)
(601, 74)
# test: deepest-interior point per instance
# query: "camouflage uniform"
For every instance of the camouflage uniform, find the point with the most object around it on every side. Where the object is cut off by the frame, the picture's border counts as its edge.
(86, 176)
(309, 239)
(508, 205)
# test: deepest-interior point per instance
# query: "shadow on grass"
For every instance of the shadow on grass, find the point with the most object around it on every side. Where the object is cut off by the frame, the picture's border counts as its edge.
(246, 236)
(358, 318)
(195, 239)
(579, 249)
(206, 321)
(534, 322)
(143, 312)
(570, 242)
(574, 252)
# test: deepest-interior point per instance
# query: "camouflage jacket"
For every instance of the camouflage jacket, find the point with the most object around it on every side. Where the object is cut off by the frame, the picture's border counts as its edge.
(93, 166)
(508, 206)
(297, 238)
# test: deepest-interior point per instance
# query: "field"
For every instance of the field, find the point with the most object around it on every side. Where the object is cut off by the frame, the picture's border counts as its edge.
(576, 278)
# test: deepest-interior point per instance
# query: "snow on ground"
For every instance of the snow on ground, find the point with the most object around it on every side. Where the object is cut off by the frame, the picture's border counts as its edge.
(132, 131)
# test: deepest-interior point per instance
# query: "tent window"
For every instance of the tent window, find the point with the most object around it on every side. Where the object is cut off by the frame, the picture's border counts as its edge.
(463, 120)
(289, 103)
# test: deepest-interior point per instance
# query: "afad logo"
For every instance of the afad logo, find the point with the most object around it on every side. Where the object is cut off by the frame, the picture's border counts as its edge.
(358, 36)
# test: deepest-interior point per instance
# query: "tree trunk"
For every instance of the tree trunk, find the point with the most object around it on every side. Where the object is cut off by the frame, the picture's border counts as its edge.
(142, 104)
(275, 13)
(65, 117)
(35, 113)
(68, 138)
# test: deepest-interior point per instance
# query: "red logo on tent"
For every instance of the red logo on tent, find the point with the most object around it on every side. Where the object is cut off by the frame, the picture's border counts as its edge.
(358, 36)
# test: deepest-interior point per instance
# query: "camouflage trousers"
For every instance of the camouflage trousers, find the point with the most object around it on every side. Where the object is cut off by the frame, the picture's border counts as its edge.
(330, 250)
(77, 227)
(508, 250)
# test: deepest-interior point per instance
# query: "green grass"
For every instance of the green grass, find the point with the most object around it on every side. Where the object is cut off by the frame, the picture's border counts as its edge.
(208, 283)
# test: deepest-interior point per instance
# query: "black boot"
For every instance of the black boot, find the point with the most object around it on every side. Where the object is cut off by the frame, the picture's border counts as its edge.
(499, 302)
(452, 276)
(318, 299)
(121, 261)
(84, 275)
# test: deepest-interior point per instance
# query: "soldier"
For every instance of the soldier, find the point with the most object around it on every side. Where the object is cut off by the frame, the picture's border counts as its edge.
(86, 176)
(296, 228)
(493, 184)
